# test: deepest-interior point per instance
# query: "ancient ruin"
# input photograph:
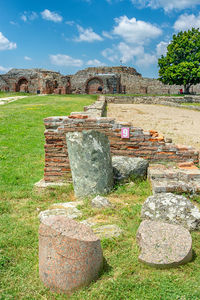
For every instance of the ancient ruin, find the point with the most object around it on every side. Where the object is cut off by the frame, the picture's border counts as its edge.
(101, 80)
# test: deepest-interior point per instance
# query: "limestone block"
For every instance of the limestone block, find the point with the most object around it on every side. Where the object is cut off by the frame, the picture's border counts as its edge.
(125, 167)
(164, 245)
(171, 208)
(70, 255)
(90, 162)
(100, 202)
(107, 231)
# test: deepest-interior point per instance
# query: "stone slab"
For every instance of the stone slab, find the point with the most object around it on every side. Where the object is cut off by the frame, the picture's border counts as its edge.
(164, 245)
(173, 209)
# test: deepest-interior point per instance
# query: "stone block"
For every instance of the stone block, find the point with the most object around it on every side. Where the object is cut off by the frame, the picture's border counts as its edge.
(70, 255)
(90, 162)
(170, 208)
(164, 245)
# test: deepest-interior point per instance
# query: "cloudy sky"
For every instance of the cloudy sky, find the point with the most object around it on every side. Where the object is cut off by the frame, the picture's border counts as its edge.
(70, 35)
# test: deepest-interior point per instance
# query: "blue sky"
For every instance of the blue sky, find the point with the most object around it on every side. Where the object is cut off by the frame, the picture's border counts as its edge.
(70, 35)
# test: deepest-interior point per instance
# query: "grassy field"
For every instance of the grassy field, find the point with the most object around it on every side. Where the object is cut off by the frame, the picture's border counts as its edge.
(12, 94)
(21, 165)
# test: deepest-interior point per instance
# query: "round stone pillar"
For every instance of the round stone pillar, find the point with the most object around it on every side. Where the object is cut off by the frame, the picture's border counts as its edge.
(70, 254)
(90, 162)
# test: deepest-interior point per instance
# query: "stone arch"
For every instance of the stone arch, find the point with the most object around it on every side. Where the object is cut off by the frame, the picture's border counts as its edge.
(22, 85)
(93, 85)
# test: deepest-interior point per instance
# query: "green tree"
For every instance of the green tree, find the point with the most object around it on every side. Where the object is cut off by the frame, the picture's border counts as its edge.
(181, 65)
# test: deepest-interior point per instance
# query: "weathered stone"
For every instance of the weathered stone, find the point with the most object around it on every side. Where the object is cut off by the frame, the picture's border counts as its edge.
(164, 245)
(69, 212)
(70, 255)
(107, 231)
(126, 167)
(67, 205)
(100, 202)
(182, 178)
(170, 208)
(90, 162)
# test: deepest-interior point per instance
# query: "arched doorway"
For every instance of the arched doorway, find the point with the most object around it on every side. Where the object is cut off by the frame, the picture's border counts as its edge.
(94, 85)
(22, 85)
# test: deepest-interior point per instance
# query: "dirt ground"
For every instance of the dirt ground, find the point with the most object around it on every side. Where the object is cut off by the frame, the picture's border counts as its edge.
(182, 125)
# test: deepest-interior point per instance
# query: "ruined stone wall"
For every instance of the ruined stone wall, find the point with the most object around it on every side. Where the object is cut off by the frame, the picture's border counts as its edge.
(80, 80)
(36, 79)
(149, 145)
(153, 99)
(141, 85)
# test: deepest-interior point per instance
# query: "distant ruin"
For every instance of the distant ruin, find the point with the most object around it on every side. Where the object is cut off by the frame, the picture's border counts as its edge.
(101, 80)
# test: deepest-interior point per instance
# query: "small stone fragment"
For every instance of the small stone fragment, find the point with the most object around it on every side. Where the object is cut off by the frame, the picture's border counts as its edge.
(107, 231)
(125, 167)
(100, 202)
(70, 212)
(164, 245)
(173, 209)
(70, 255)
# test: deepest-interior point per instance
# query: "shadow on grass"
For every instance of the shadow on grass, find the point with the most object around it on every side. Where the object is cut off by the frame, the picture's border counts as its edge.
(106, 267)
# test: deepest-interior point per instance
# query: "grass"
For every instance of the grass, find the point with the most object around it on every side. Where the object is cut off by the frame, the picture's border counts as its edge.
(21, 165)
(12, 94)
(191, 104)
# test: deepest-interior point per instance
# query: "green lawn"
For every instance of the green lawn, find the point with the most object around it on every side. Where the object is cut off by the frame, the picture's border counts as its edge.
(21, 165)
(190, 104)
(12, 94)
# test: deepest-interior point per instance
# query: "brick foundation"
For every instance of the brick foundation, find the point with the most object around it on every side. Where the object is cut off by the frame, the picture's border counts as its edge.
(149, 145)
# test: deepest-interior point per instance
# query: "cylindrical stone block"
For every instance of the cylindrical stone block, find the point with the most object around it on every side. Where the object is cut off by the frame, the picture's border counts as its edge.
(90, 162)
(70, 254)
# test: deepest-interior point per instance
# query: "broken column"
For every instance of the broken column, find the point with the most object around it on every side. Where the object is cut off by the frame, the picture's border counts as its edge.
(70, 254)
(90, 162)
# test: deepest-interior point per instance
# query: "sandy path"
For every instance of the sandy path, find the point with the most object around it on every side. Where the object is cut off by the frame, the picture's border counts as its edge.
(182, 125)
(10, 99)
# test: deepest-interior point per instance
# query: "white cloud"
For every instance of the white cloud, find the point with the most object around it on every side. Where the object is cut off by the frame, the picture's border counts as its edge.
(27, 58)
(4, 70)
(5, 44)
(185, 22)
(146, 60)
(161, 48)
(167, 5)
(24, 18)
(133, 31)
(51, 16)
(110, 54)
(94, 62)
(128, 53)
(107, 35)
(65, 60)
(87, 35)
(13, 23)
(70, 23)
(29, 16)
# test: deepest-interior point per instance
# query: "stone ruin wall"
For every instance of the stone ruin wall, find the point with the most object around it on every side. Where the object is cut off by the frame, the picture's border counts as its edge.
(32, 80)
(125, 78)
(149, 145)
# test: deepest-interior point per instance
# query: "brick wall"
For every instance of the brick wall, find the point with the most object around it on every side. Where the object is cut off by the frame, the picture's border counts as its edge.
(149, 145)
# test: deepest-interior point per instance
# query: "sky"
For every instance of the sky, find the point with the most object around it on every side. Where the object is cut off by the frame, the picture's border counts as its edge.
(71, 35)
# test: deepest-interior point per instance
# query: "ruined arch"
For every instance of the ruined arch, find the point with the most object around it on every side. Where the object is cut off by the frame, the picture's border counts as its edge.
(22, 85)
(93, 85)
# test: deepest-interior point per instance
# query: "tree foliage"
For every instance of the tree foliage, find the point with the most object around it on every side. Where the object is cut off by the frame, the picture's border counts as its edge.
(181, 65)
